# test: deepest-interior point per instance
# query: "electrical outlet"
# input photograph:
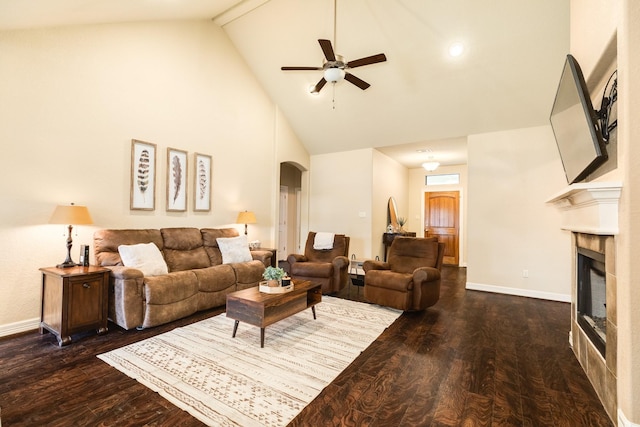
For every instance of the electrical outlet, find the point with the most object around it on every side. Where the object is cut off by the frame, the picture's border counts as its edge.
(525, 273)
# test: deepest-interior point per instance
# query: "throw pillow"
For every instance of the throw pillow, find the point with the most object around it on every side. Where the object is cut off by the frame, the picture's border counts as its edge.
(146, 257)
(234, 249)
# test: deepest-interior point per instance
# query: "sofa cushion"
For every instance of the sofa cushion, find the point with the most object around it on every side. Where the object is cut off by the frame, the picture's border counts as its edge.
(409, 253)
(183, 249)
(249, 273)
(215, 278)
(106, 242)
(145, 257)
(170, 288)
(312, 269)
(234, 249)
(209, 238)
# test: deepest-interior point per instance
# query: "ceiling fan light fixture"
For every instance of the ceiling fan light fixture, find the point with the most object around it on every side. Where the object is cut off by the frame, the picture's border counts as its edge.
(334, 74)
(430, 166)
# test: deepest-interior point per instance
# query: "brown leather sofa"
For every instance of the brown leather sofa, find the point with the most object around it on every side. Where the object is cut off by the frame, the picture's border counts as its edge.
(197, 280)
(410, 280)
(329, 267)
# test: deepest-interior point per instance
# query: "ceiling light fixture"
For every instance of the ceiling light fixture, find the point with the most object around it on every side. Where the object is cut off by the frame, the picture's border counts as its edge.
(430, 166)
(456, 49)
(334, 74)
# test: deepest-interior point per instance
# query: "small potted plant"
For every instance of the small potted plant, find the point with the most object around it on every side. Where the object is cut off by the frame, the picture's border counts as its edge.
(401, 222)
(273, 275)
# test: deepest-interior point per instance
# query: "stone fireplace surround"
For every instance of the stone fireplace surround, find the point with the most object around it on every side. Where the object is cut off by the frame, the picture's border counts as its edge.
(590, 212)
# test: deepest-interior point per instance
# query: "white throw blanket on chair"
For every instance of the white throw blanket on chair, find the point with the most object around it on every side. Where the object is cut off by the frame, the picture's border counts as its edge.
(323, 241)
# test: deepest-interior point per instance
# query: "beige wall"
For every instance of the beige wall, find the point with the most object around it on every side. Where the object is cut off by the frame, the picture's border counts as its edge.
(628, 246)
(511, 229)
(594, 24)
(417, 188)
(340, 191)
(390, 179)
(72, 100)
(349, 191)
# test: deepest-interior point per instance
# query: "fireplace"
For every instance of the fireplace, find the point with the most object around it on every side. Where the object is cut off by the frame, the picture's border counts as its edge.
(590, 212)
(592, 297)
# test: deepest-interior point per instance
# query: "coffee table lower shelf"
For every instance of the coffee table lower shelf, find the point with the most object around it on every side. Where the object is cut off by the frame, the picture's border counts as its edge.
(261, 309)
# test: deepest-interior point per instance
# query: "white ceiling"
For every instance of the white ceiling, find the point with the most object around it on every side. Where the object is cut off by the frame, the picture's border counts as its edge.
(421, 98)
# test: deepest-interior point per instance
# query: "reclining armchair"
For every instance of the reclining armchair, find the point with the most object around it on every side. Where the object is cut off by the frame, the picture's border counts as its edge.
(329, 267)
(410, 280)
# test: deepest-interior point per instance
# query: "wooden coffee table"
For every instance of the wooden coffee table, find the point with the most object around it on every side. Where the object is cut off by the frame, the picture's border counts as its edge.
(262, 309)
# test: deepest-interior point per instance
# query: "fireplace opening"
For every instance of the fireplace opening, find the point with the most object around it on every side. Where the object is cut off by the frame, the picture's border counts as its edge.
(592, 293)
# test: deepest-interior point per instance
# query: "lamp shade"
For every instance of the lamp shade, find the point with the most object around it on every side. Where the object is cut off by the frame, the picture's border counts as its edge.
(246, 217)
(71, 214)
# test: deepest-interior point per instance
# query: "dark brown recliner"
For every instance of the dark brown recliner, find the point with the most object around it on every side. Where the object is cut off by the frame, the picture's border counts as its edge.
(329, 267)
(410, 280)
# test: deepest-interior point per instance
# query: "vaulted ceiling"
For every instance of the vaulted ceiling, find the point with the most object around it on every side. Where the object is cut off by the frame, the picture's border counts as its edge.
(420, 98)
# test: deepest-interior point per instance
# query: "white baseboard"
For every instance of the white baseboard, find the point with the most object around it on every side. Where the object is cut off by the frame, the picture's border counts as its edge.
(19, 327)
(518, 292)
(624, 422)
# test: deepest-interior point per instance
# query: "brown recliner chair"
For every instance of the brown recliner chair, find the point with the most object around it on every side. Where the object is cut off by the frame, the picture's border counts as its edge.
(410, 280)
(329, 267)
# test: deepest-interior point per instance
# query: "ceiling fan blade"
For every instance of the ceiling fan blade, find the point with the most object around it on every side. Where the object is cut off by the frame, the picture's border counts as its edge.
(301, 68)
(319, 85)
(356, 81)
(327, 49)
(366, 61)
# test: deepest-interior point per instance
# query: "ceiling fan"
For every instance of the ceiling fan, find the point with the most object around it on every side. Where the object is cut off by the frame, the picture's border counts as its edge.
(335, 68)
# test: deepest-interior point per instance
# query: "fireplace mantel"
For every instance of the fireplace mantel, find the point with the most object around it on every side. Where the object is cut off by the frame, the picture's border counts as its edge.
(590, 207)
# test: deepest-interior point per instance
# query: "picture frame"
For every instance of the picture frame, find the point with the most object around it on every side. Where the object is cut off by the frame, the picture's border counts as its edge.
(143, 176)
(202, 166)
(176, 180)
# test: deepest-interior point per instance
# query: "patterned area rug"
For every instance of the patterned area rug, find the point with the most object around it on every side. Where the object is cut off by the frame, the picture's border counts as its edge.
(226, 381)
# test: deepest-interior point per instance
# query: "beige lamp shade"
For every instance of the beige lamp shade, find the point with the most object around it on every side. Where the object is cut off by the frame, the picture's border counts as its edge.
(246, 217)
(71, 214)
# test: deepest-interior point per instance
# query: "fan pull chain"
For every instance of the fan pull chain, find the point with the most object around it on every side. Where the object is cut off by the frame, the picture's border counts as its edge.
(333, 97)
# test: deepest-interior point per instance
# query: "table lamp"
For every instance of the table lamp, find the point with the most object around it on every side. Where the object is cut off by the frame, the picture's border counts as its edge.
(70, 214)
(245, 218)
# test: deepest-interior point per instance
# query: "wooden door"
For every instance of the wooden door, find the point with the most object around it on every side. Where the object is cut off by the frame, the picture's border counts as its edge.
(441, 219)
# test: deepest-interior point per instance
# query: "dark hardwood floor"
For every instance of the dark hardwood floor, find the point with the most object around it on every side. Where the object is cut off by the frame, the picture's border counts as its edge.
(473, 359)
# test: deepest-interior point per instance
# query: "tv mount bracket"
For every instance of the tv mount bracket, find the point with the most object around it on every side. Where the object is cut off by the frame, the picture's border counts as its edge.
(606, 106)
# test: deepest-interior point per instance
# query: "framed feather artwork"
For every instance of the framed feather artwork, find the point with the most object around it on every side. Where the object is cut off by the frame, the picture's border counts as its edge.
(143, 176)
(176, 180)
(202, 183)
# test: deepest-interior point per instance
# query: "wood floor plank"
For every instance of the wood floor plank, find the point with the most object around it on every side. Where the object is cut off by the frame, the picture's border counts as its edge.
(474, 359)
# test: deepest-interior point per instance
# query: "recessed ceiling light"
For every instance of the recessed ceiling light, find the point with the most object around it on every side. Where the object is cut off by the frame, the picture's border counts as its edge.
(456, 49)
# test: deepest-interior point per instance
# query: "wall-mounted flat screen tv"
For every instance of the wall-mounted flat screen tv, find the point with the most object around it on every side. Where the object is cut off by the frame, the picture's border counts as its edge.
(575, 125)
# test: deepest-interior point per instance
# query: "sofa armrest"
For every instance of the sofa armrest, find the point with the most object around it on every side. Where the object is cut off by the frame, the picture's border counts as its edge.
(374, 265)
(262, 256)
(293, 258)
(425, 274)
(126, 296)
(340, 263)
(123, 273)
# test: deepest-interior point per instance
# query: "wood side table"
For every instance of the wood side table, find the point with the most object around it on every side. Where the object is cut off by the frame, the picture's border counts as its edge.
(274, 255)
(74, 300)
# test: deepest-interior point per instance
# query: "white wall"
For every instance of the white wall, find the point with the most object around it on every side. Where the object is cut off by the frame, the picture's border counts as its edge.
(511, 229)
(71, 100)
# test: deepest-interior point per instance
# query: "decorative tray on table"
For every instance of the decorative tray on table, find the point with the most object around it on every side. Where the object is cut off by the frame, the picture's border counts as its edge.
(264, 287)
